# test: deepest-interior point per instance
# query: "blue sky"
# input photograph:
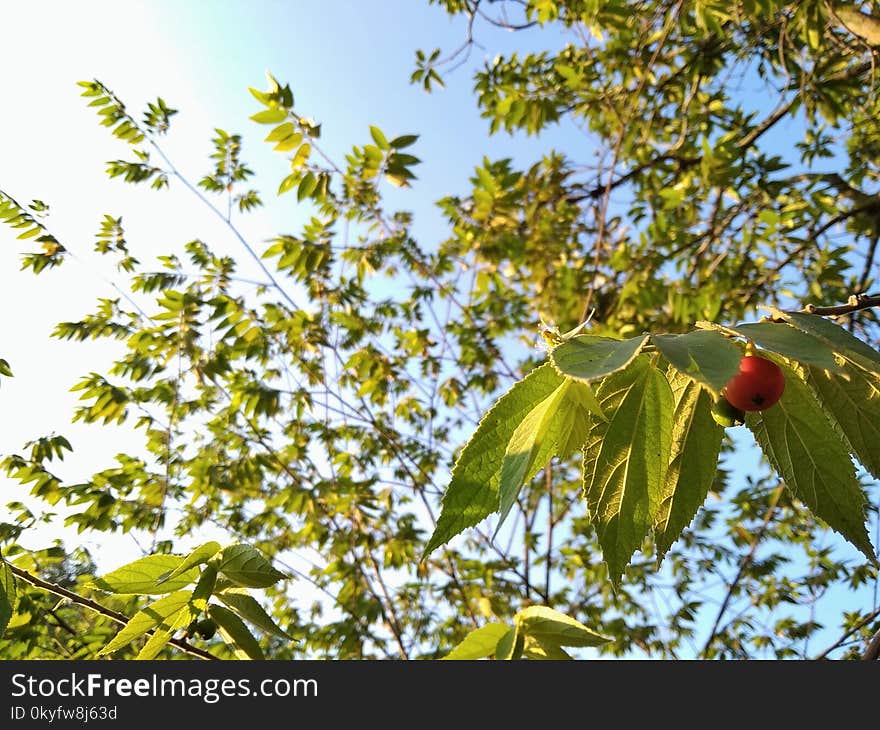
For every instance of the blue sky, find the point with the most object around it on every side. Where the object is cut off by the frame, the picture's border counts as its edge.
(348, 63)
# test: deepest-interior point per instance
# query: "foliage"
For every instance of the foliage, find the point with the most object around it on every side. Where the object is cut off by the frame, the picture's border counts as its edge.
(374, 396)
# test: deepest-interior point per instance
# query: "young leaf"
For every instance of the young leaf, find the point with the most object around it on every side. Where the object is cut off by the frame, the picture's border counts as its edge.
(812, 458)
(696, 443)
(472, 494)
(200, 555)
(705, 356)
(144, 576)
(379, 138)
(235, 633)
(270, 116)
(156, 613)
(246, 566)
(534, 442)
(837, 338)
(588, 357)
(854, 401)
(7, 594)
(480, 643)
(625, 460)
(556, 628)
(250, 610)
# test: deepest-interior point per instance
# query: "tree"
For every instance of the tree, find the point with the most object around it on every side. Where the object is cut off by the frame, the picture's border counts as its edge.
(316, 416)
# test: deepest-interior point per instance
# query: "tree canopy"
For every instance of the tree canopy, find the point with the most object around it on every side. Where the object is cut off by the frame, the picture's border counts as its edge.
(500, 443)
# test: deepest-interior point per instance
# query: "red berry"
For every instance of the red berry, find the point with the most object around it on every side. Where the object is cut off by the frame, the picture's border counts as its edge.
(758, 385)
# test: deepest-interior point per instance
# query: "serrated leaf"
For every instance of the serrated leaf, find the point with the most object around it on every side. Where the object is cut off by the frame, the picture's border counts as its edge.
(812, 458)
(480, 643)
(510, 646)
(235, 633)
(162, 610)
(7, 595)
(625, 460)
(142, 577)
(837, 338)
(541, 434)
(853, 398)
(554, 627)
(472, 494)
(585, 407)
(245, 565)
(534, 648)
(164, 633)
(788, 341)
(588, 357)
(696, 443)
(705, 356)
(200, 555)
(248, 608)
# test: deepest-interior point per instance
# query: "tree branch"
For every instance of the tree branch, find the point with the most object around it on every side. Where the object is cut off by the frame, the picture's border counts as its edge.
(747, 561)
(88, 603)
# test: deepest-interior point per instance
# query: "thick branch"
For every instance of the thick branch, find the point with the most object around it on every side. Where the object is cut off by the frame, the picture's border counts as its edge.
(854, 303)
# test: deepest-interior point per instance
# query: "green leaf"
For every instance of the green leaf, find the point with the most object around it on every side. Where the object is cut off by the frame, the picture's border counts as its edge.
(696, 443)
(249, 609)
(853, 398)
(789, 341)
(245, 565)
(705, 356)
(5, 369)
(379, 138)
(163, 610)
(164, 633)
(200, 555)
(588, 357)
(534, 648)
(472, 494)
(837, 338)
(534, 442)
(625, 460)
(144, 576)
(235, 633)
(281, 132)
(812, 458)
(480, 643)
(510, 646)
(556, 628)
(405, 140)
(7, 594)
(583, 404)
(270, 116)
(289, 183)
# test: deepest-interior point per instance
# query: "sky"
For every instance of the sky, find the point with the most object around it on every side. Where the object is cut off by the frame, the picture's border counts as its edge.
(348, 63)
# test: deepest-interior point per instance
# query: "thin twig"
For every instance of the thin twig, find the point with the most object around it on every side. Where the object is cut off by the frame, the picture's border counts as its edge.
(747, 561)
